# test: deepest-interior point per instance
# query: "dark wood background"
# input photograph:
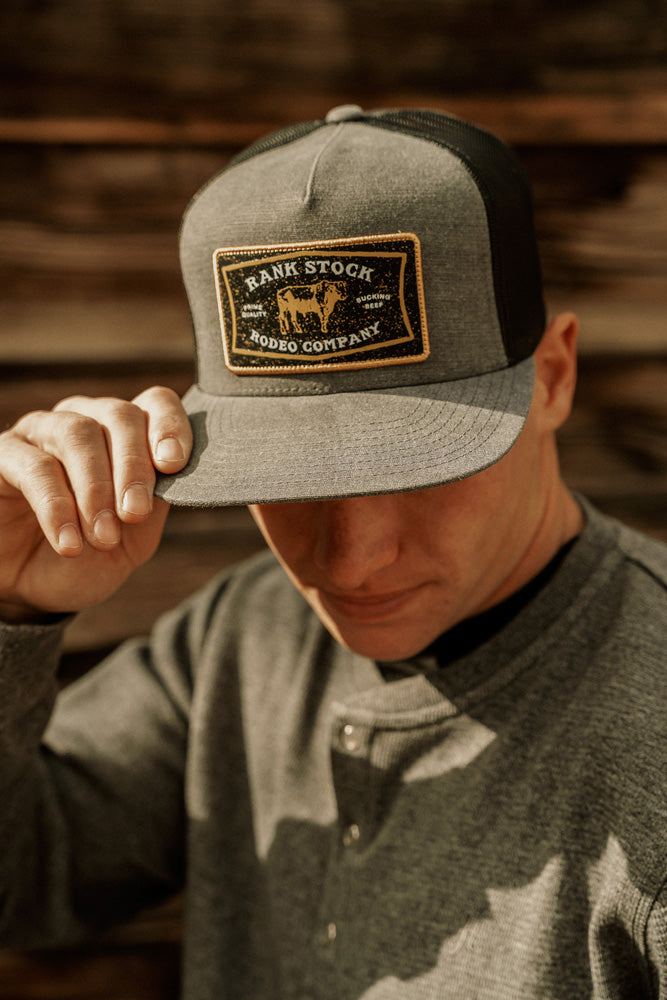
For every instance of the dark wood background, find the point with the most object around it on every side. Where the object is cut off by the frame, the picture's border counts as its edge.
(113, 112)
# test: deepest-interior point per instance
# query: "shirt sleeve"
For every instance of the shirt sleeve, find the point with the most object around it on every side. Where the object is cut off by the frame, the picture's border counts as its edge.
(656, 944)
(92, 823)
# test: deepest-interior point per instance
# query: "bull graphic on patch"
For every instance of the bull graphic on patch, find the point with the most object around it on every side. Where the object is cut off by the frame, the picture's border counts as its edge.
(325, 305)
(298, 301)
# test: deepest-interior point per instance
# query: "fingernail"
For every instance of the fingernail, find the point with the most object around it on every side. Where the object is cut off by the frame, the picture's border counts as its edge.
(106, 528)
(137, 500)
(69, 537)
(169, 449)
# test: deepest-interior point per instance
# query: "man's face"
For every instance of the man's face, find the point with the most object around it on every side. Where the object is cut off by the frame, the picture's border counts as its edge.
(388, 574)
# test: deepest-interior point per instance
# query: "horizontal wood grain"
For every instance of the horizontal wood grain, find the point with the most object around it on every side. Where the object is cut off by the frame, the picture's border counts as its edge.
(261, 61)
(522, 119)
(120, 331)
(39, 386)
(614, 446)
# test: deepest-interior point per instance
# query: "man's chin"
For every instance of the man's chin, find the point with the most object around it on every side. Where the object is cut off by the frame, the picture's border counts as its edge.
(378, 642)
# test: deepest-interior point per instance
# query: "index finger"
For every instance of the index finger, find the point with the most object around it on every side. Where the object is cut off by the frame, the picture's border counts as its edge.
(169, 431)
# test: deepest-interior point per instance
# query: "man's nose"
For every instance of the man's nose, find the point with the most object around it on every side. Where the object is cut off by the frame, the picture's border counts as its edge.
(356, 538)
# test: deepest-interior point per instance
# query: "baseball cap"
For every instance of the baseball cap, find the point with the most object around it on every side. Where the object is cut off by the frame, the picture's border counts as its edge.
(366, 298)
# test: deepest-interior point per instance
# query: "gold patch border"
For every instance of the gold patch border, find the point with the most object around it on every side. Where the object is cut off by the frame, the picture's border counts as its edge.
(280, 249)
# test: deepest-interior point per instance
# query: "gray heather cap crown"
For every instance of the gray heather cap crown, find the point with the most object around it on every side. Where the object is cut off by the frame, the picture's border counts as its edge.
(366, 297)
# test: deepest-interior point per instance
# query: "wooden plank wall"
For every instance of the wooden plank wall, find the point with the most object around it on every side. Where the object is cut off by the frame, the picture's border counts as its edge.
(113, 112)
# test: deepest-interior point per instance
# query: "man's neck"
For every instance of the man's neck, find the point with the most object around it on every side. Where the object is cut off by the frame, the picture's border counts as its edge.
(561, 520)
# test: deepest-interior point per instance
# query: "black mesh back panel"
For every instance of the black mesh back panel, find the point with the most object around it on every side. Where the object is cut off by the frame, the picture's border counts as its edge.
(505, 189)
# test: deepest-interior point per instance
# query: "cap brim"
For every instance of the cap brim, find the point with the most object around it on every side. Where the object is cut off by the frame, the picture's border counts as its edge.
(264, 449)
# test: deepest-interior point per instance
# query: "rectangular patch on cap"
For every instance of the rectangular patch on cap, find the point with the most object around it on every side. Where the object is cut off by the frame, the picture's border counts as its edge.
(327, 305)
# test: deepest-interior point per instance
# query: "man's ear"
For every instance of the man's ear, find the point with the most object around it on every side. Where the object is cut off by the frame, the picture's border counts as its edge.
(556, 370)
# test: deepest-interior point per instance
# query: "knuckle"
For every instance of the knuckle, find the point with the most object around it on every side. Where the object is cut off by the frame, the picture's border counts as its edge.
(104, 410)
(57, 505)
(160, 393)
(39, 474)
(23, 425)
(136, 468)
(160, 399)
(99, 495)
(77, 430)
(70, 403)
(121, 413)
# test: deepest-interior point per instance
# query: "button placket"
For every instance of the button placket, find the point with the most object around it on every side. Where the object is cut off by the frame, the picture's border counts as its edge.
(351, 738)
(351, 749)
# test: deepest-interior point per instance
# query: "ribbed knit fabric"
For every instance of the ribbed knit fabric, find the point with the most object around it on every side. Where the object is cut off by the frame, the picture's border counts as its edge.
(491, 831)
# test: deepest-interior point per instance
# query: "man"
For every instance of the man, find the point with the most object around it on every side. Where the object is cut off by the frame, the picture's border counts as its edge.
(432, 764)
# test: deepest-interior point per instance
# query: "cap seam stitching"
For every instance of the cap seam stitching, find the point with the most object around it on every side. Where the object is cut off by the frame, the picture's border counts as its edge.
(308, 193)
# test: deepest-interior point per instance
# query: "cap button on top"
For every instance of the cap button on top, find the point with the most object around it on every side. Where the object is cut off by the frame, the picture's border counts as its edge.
(344, 113)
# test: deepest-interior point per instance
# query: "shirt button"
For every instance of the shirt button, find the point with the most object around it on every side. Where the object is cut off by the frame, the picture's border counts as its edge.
(329, 934)
(350, 738)
(351, 835)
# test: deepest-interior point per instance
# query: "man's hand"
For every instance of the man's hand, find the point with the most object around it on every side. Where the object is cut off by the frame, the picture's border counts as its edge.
(77, 512)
